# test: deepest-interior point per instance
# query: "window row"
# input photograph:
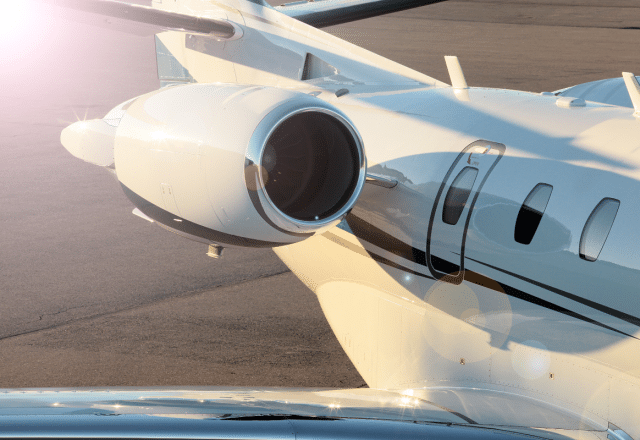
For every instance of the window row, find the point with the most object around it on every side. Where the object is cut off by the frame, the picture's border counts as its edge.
(595, 231)
(594, 234)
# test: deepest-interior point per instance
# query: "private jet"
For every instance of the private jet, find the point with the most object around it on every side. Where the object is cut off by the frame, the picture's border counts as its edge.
(474, 250)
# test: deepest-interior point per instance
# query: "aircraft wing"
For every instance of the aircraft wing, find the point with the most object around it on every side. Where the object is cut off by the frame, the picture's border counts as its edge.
(144, 20)
(315, 13)
(332, 12)
(270, 413)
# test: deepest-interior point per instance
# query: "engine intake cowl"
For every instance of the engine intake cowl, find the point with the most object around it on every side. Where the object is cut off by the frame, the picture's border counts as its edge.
(305, 164)
(239, 165)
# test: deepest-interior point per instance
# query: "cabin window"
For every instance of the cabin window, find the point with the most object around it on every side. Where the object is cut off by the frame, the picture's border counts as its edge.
(458, 195)
(597, 228)
(531, 213)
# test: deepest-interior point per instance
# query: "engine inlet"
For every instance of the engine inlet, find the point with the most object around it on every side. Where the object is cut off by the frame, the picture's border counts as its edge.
(311, 165)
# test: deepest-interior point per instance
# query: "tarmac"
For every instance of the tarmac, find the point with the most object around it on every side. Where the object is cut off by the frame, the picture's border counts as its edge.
(94, 296)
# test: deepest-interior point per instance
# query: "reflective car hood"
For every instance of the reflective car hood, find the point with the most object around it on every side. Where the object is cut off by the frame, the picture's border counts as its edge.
(242, 413)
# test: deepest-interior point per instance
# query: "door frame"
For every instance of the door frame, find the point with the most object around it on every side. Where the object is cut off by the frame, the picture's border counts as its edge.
(449, 278)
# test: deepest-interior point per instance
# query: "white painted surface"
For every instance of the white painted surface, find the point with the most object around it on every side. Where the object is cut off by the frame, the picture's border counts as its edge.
(402, 329)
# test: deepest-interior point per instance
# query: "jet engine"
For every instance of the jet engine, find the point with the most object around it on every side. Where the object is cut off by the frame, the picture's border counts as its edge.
(233, 165)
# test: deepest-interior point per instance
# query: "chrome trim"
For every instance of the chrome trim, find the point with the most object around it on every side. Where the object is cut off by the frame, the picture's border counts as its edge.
(255, 150)
(385, 182)
(615, 433)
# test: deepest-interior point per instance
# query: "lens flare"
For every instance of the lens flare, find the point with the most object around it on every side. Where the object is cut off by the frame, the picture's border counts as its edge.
(531, 360)
(22, 27)
(466, 321)
(14, 18)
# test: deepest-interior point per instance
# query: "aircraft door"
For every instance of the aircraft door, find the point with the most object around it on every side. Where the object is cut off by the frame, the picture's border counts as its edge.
(452, 208)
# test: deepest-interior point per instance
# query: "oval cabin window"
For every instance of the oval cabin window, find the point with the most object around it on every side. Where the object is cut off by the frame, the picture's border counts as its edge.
(531, 213)
(597, 228)
(458, 195)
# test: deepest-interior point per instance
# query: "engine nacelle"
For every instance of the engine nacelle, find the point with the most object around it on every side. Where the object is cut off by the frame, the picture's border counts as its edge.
(239, 165)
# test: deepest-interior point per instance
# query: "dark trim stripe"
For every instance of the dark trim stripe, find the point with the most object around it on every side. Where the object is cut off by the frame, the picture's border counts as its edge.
(393, 264)
(366, 231)
(366, 253)
(594, 305)
(373, 235)
(166, 218)
(481, 280)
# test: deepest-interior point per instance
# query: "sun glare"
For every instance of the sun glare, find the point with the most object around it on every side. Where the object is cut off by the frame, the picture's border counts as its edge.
(15, 17)
(21, 25)
(24, 33)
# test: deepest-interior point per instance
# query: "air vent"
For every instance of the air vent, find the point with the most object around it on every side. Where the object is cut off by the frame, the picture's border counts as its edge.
(569, 102)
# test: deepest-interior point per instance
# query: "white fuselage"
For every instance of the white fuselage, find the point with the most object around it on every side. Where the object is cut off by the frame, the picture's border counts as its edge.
(536, 319)
(428, 283)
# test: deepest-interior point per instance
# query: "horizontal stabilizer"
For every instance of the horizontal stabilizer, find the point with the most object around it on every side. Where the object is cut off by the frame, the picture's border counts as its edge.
(322, 13)
(156, 20)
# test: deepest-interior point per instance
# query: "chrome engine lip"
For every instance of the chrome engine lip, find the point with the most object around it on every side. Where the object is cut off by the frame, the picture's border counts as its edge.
(254, 155)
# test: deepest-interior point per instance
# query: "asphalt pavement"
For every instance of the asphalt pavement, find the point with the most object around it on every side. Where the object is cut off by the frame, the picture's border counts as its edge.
(94, 296)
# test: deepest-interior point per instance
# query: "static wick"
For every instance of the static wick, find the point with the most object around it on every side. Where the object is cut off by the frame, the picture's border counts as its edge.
(215, 251)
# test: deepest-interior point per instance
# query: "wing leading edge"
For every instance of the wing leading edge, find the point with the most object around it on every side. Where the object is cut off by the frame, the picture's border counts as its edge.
(332, 12)
(156, 20)
(319, 14)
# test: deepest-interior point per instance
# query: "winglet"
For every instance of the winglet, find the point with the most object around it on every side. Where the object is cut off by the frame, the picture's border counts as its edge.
(633, 88)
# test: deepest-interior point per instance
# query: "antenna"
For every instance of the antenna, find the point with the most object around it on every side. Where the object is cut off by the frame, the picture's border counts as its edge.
(458, 82)
(633, 88)
(455, 73)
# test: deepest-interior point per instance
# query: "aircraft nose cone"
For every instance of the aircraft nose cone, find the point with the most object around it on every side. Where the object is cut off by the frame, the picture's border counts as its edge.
(91, 141)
